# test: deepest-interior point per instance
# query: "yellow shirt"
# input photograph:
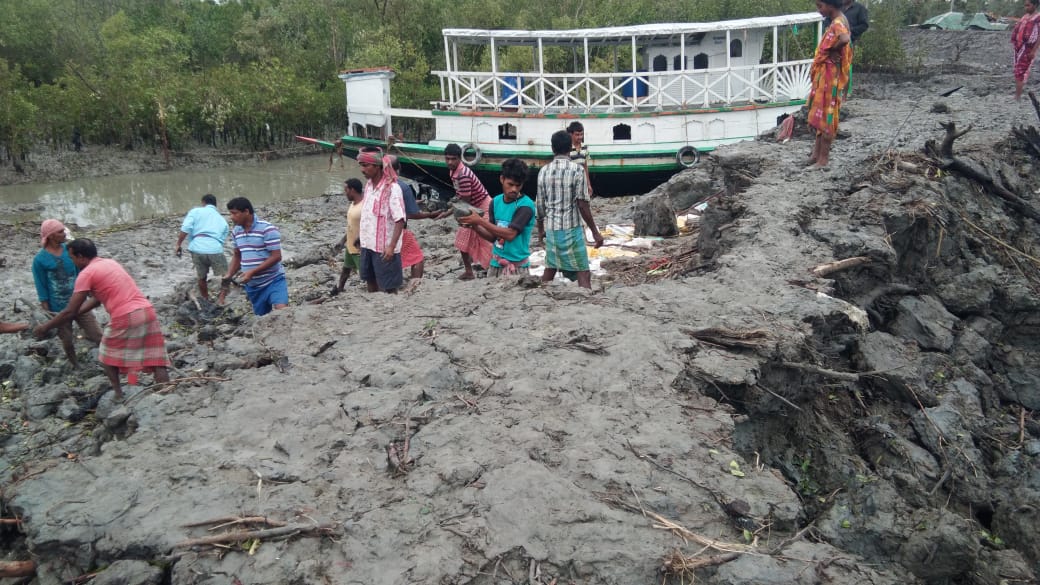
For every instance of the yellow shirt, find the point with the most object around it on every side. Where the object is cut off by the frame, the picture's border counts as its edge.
(353, 227)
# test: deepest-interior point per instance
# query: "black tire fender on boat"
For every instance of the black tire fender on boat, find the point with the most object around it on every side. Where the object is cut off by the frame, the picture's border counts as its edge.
(687, 157)
(476, 154)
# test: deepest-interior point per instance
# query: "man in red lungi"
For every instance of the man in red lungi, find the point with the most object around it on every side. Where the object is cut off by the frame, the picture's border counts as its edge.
(133, 341)
(474, 249)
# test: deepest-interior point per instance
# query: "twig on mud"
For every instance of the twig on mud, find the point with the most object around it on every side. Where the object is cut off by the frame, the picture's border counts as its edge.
(945, 476)
(784, 400)
(942, 437)
(325, 346)
(999, 241)
(1022, 413)
(243, 535)
(834, 374)
(581, 343)
(15, 521)
(726, 337)
(459, 533)
(468, 403)
(678, 565)
(233, 520)
(718, 497)
(839, 265)
(169, 385)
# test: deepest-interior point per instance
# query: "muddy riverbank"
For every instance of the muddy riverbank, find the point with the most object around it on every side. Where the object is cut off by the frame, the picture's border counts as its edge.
(729, 415)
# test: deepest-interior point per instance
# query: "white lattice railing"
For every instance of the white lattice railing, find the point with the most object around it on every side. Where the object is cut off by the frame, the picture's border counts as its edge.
(609, 92)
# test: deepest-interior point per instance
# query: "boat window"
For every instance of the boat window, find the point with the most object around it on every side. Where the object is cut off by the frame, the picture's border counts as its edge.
(622, 132)
(660, 63)
(700, 61)
(506, 132)
(678, 64)
(736, 48)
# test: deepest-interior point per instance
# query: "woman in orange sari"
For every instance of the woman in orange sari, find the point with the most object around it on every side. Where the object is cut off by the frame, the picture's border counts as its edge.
(830, 80)
(1024, 39)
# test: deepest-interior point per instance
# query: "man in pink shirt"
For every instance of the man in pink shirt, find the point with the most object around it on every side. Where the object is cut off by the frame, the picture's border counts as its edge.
(133, 341)
(382, 224)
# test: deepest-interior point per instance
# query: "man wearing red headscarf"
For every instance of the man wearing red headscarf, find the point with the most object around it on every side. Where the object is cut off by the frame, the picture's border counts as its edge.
(382, 223)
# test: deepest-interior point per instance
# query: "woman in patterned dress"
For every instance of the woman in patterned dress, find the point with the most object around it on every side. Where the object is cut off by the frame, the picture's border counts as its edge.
(1024, 40)
(830, 80)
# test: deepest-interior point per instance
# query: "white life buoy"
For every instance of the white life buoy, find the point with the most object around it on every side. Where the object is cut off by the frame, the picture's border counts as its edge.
(687, 157)
(476, 154)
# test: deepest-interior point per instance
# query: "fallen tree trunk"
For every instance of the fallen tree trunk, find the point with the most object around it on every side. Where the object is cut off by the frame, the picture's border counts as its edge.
(17, 569)
(951, 163)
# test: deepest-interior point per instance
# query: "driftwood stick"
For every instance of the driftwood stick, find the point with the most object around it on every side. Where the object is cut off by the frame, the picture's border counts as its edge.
(17, 569)
(784, 400)
(10, 521)
(843, 376)
(746, 338)
(229, 520)
(946, 150)
(832, 267)
(240, 535)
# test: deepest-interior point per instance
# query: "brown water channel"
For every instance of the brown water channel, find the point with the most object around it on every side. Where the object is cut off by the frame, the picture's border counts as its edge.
(106, 201)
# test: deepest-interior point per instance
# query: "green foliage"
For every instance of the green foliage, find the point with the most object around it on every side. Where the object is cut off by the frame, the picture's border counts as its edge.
(381, 48)
(17, 111)
(880, 48)
(249, 72)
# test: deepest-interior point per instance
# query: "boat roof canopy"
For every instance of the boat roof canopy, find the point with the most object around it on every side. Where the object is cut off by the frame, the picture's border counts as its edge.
(610, 35)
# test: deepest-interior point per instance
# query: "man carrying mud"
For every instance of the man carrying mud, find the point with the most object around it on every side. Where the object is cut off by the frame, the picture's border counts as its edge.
(133, 341)
(509, 223)
(258, 253)
(474, 249)
(206, 231)
(54, 275)
(562, 204)
(382, 224)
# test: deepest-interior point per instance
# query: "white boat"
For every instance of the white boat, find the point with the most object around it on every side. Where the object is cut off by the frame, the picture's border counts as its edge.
(651, 97)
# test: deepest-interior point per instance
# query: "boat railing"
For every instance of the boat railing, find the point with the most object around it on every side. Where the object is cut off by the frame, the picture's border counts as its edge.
(618, 92)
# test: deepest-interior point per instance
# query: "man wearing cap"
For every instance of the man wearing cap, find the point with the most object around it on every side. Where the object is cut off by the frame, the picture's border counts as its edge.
(382, 224)
(54, 275)
(206, 231)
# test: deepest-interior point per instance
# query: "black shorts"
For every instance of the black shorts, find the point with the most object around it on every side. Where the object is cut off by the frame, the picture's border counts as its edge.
(388, 275)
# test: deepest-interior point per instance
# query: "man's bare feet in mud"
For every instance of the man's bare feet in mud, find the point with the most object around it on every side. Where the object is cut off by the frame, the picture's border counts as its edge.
(808, 162)
(467, 276)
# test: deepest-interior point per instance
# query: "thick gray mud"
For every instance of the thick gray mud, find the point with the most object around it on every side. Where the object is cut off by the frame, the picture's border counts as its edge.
(741, 420)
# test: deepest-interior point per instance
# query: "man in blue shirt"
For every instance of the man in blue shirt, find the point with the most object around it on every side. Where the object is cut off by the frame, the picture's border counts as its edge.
(206, 231)
(510, 221)
(258, 252)
(54, 275)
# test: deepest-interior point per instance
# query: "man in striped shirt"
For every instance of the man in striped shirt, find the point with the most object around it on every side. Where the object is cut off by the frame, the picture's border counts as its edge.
(475, 249)
(562, 203)
(258, 252)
